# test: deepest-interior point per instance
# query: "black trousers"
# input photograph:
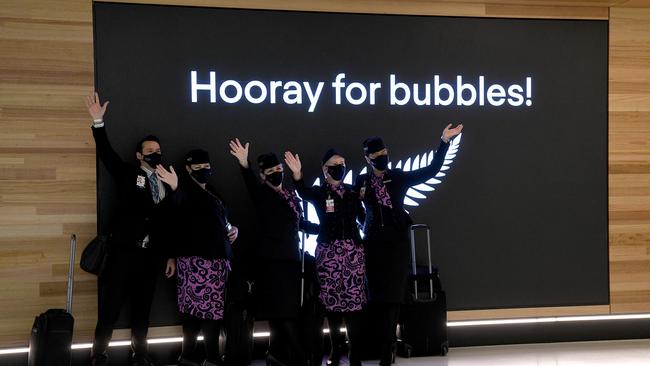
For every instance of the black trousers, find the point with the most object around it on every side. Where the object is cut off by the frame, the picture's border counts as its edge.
(130, 275)
(388, 316)
(192, 326)
(285, 344)
(353, 330)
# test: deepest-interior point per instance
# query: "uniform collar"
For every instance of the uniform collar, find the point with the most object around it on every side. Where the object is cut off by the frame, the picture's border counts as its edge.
(146, 170)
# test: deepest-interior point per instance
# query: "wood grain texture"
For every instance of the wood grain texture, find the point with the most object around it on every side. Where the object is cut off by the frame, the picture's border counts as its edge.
(505, 9)
(47, 161)
(629, 159)
(527, 312)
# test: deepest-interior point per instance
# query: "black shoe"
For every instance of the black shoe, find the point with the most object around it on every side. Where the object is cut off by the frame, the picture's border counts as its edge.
(99, 359)
(139, 359)
(334, 358)
(388, 360)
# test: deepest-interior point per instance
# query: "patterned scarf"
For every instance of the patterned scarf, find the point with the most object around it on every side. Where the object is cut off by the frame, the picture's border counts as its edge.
(292, 200)
(337, 189)
(377, 183)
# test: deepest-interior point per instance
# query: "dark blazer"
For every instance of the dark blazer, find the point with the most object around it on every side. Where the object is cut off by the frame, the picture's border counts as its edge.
(397, 182)
(340, 224)
(203, 218)
(137, 215)
(278, 224)
(386, 242)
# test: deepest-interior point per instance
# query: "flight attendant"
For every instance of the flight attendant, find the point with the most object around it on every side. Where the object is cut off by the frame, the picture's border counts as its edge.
(386, 226)
(203, 255)
(339, 254)
(278, 255)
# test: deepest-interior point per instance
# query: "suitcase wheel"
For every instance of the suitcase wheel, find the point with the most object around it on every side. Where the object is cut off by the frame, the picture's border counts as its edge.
(444, 349)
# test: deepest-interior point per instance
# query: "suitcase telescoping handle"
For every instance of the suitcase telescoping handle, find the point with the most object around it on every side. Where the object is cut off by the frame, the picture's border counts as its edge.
(302, 256)
(73, 252)
(302, 269)
(413, 262)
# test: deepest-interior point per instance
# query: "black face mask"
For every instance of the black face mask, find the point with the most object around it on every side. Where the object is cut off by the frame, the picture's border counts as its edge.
(337, 172)
(152, 159)
(202, 175)
(275, 178)
(380, 162)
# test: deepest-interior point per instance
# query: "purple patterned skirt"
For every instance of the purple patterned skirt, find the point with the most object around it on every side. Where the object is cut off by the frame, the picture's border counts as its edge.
(342, 275)
(201, 285)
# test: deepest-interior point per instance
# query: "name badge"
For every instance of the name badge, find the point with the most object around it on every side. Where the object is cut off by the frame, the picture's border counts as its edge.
(329, 205)
(140, 181)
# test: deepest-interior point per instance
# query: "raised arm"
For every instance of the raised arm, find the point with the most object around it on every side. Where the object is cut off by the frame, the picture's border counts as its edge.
(240, 152)
(112, 161)
(421, 175)
(307, 193)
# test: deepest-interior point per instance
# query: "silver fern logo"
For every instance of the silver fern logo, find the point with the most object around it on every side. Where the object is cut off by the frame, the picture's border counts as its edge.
(413, 194)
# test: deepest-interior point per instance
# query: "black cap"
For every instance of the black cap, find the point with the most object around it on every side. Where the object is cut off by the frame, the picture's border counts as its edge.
(329, 154)
(372, 145)
(197, 156)
(268, 160)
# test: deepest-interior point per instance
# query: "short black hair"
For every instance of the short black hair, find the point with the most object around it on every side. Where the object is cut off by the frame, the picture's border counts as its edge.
(138, 147)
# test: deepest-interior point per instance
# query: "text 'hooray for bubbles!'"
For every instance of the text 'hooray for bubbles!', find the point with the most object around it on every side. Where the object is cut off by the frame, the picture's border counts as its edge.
(436, 92)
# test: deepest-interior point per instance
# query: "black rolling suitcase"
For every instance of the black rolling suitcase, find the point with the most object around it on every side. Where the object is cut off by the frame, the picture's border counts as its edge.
(423, 318)
(51, 338)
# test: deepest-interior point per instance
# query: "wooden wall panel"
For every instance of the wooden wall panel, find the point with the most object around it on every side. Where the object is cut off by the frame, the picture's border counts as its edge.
(629, 159)
(47, 162)
(596, 9)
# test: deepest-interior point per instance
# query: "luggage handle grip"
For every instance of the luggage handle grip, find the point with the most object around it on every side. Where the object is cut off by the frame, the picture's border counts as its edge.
(420, 226)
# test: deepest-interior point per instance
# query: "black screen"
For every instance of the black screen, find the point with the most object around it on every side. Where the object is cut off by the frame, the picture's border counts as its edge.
(520, 217)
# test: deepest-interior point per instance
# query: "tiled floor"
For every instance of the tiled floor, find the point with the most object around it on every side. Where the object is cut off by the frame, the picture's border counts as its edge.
(605, 353)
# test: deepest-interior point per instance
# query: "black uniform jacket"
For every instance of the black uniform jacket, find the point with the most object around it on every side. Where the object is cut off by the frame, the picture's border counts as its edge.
(386, 242)
(342, 222)
(203, 221)
(277, 262)
(278, 225)
(137, 215)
